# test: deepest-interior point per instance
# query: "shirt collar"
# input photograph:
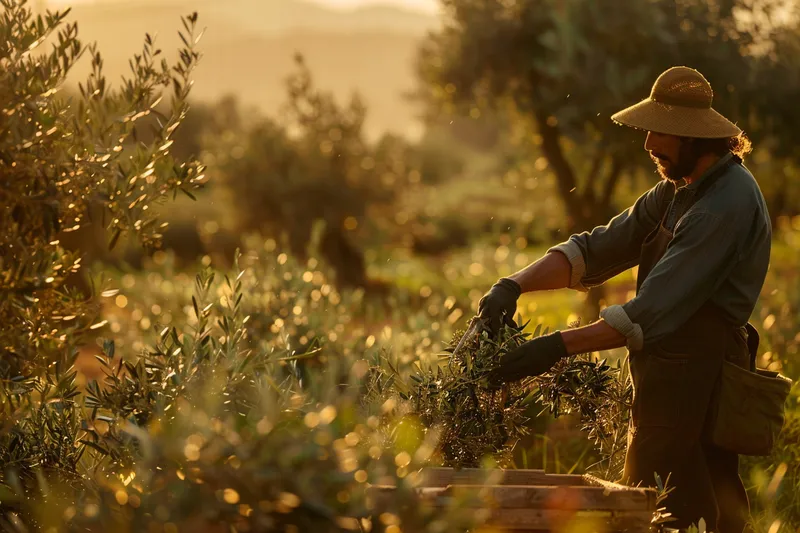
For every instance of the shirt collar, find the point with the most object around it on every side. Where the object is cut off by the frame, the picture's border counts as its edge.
(713, 168)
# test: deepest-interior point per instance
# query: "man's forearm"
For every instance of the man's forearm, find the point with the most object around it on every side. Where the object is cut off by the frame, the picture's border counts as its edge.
(592, 338)
(553, 271)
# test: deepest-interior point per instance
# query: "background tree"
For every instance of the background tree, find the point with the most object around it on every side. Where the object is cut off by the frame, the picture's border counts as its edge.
(313, 166)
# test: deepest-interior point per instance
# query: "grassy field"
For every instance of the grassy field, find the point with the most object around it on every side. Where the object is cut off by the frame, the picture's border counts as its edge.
(449, 286)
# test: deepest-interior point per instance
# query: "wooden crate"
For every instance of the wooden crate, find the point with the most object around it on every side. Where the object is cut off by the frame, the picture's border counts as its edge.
(532, 501)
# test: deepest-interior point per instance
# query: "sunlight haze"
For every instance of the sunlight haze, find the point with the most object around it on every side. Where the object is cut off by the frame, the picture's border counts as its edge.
(426, 6)
(366, 46)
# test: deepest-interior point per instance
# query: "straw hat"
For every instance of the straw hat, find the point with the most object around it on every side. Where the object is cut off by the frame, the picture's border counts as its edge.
(679, 104)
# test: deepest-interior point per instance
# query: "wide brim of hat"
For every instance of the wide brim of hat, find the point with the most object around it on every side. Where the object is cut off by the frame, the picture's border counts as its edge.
(650, 115)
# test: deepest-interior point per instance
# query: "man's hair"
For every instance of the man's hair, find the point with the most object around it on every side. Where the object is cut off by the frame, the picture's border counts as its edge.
(739, 146)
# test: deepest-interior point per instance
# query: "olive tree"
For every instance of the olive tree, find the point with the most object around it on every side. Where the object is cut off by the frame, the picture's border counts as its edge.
(65, 163)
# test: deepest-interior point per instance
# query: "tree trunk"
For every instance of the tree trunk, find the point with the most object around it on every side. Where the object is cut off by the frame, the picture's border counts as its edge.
(603, 212)
(585, 209)
(565, 177)
(345, 258)
(778, 205)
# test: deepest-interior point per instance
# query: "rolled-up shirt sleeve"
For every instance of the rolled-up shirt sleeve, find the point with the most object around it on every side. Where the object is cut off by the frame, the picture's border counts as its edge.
(701, 255)
(604, 252)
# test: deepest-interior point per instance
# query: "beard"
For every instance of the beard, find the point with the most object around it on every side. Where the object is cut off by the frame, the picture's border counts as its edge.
(675, 169)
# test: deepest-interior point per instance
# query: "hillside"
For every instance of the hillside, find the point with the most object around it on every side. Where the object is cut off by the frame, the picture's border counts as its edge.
(262, 16)
(249, 44)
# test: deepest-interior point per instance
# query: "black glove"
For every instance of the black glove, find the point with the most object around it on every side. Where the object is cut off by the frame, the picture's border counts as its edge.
(532, 358)
(499, 305)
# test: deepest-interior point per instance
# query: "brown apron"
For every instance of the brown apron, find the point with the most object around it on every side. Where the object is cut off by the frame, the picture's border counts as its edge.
(673, 382)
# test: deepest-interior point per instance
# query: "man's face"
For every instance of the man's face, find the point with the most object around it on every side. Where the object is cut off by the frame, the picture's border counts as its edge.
(673, 156)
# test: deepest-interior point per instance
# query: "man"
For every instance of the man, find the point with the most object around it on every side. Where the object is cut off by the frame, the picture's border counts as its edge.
(701, 239)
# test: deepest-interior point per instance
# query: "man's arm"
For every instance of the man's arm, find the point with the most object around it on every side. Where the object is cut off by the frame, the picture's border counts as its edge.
(553, 271)
(537, 356)
(587, 259)
(583, 261)
(699, 258)
(610, 249)
(593, 338)
(605, 251)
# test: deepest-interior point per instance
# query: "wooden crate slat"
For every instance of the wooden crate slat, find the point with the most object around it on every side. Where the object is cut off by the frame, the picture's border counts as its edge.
(441, 477)
(549, 497)
(531, 501)
(545, 520)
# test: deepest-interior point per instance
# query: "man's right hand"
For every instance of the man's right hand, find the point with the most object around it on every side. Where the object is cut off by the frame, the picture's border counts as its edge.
(499, 305)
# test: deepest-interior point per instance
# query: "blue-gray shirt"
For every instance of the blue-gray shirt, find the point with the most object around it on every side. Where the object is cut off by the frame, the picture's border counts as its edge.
(720, 252)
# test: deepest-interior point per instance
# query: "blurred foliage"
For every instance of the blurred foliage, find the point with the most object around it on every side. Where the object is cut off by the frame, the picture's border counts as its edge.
(212, 428)
(281, 168)
(293, 299)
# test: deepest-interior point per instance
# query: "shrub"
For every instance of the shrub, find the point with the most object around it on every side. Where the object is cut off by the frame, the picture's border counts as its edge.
(448, 402)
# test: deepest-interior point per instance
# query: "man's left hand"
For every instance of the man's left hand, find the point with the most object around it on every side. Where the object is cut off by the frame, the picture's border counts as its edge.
(532, 358)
